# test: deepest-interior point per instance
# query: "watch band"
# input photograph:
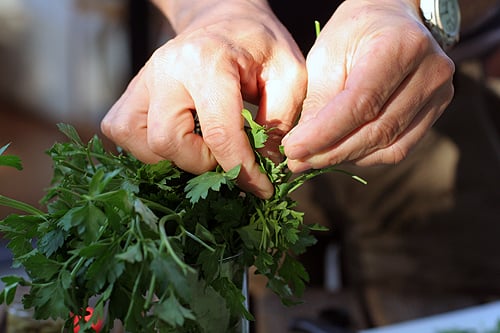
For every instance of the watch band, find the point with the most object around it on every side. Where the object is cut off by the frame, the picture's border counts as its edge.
(432, 19)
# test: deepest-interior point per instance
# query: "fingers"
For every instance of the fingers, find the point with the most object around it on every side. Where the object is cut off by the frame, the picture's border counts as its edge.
(281, 102)
(391, 153)
(171, 128)
(414, 132)
(379, 95)
(156, 124)
(223, 127)
(367, 87)
(126, 122)
(402, 121)
(153, 120)
(210, 70)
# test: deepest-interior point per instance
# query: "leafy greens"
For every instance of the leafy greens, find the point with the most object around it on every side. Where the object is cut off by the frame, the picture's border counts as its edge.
(151, 245)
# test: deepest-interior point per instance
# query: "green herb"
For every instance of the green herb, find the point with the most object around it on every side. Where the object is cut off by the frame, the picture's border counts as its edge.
(151, 245)
(317, 28)
(9, 160)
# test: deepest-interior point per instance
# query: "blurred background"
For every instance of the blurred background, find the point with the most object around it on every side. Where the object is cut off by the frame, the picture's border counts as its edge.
(64, 61)
(393, 254)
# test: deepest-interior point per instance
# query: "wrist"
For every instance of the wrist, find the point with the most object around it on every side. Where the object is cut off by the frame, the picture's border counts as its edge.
(442, 18)
(192, 14)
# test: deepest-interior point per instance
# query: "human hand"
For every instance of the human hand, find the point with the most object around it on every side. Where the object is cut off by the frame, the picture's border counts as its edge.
(377, 81)
(225, 51)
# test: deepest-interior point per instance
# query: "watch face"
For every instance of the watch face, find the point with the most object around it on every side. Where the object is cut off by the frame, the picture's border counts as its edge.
(449, 16)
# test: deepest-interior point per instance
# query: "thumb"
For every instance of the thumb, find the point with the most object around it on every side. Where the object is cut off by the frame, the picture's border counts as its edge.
(326, 70)
(280, 105)
(326, 79)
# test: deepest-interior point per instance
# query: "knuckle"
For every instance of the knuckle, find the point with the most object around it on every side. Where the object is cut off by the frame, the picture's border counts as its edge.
(163, 145)
(176, 52)
(317, 98)
(296, 72)
(397, 154)
(446, 69)
(106, 126)
(368, 105)
(382, 134)
(116, 128)
(442, 80)
(419, 37)
(217, 139)
(197, 49)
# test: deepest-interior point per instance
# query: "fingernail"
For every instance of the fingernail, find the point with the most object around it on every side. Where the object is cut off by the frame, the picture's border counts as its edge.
(298, 166)
(296, 152)
(266, 191)
(285, 138)
(266, 194)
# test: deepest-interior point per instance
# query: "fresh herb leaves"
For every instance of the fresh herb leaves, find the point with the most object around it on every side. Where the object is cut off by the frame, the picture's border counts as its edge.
(152, 245)
(9, 160)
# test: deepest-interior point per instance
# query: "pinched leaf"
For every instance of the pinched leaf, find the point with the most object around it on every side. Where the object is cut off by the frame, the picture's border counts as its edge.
(258, 134)
(197, 188)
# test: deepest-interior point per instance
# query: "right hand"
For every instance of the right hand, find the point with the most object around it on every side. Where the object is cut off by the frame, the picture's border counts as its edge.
(225, 52)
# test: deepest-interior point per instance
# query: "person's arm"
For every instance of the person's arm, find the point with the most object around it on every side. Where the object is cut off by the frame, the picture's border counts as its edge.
(224, 52)
(377, 82)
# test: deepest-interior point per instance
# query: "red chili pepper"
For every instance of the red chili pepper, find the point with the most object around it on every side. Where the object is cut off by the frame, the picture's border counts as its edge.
(96, 326)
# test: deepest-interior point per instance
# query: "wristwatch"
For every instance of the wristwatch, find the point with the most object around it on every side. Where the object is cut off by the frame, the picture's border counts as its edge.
(442, 18)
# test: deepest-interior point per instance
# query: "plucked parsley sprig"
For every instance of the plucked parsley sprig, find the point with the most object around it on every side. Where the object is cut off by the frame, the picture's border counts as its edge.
(149, 244)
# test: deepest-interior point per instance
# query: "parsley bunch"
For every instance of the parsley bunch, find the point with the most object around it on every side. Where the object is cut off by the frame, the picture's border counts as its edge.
(151, 245)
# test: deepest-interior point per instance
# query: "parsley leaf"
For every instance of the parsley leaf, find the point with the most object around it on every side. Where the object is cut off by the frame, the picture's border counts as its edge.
(197, 188)
(9, 160)
(157, 248)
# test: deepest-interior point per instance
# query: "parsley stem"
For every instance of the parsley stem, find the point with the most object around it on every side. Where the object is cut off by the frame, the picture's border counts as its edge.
(12, 203)
(152, 285)
(73, 167)
(65, 190)
(134, 295)
(197, 239)
(170, 250)
(265, 229)
(89, 158)
(155, 205)
(77, 267)
(317, 27)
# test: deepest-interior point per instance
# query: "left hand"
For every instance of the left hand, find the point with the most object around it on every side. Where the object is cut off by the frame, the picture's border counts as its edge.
(377, 81)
